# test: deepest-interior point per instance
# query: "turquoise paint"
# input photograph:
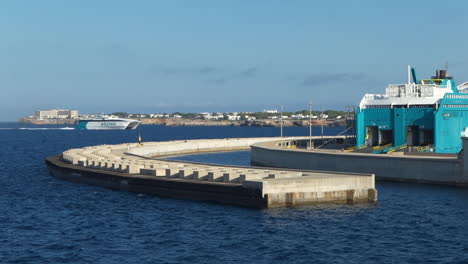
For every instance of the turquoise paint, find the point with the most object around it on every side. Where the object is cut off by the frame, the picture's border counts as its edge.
(451, 120)
(399, 132)
(81, 125)
(454, 87)
(378, 117)
(397, 119)
(360, 128)
(446, 121)
(413, 74)
(371, 117)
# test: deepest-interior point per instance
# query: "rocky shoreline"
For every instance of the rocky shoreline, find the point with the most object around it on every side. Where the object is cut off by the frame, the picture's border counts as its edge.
(201, 122)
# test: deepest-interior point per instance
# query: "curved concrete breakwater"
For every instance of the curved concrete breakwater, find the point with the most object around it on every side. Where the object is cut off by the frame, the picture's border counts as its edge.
(136, 168)
(411, 167)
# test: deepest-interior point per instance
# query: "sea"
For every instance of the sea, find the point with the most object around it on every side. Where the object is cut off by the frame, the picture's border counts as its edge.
(46, 220)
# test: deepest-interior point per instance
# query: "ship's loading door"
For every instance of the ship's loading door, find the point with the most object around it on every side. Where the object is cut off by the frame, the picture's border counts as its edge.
(386, 137)
(372, 136)
(412, 136)
(426, 137)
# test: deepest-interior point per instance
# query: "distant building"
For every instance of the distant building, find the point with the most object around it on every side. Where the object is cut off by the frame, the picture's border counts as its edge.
(208, 116)
(56, 113)
(274, 111)
(298, 116)
(233, 117)
(250, 118)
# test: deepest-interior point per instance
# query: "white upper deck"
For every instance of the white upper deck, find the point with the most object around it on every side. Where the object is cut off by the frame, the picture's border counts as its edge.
(407, 94)
(415, 92)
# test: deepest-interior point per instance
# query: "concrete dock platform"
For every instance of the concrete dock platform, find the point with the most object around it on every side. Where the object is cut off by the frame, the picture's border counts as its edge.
(139, 168)
(429, 168)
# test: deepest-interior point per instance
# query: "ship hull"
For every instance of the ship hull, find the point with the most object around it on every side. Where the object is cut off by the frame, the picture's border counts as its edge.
(117, 124)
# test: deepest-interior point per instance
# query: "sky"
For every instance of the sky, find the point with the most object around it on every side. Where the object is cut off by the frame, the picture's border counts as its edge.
(219, 55)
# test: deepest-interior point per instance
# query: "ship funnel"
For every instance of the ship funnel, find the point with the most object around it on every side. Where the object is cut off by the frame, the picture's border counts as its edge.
(441, 74)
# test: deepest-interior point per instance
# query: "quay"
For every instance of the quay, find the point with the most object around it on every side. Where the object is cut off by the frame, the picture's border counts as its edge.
(142, 168)
(418, 167)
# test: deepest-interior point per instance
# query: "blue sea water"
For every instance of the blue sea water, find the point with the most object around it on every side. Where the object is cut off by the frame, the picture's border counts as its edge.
(45, 220)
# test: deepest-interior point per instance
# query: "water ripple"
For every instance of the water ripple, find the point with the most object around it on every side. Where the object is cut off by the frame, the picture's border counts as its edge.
(45, 220)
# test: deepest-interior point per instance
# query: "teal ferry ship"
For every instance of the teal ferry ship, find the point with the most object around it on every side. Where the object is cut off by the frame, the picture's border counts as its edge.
(422, 115)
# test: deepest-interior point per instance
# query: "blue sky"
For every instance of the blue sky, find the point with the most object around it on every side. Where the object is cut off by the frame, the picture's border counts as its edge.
(218, 55)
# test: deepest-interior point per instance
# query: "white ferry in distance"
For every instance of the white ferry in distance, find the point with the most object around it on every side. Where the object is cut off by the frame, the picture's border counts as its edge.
(106, 123)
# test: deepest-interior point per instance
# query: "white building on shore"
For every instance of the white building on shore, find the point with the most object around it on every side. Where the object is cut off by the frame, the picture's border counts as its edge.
(234, 117)
(56, 114)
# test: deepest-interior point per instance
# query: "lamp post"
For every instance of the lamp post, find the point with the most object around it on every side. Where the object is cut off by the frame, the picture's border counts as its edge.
(322, 122)
(281, 120)
(310, 125)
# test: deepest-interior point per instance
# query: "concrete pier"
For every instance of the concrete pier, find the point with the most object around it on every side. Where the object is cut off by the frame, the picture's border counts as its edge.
(410, 167)
(132, 167)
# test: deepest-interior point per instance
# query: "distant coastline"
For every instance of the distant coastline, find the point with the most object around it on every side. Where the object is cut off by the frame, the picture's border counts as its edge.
(50, 121)
(199, 122)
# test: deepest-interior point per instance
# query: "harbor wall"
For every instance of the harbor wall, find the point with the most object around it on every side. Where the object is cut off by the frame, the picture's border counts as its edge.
(233, 194)
(437, 170)
(260, 193)
(133, 167)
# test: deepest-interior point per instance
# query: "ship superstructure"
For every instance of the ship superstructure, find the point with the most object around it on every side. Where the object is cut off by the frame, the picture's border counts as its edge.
(420, 115)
